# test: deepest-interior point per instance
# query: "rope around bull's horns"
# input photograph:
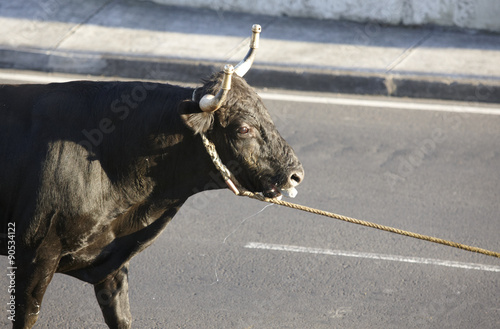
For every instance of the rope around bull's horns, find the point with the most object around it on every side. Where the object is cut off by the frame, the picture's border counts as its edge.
(226, 174)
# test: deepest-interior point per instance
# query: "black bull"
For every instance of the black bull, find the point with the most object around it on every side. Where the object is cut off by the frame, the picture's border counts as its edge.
(92, 172)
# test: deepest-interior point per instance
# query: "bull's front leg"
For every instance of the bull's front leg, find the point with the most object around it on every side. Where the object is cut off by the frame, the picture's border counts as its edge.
(112, 295)
(33, 275)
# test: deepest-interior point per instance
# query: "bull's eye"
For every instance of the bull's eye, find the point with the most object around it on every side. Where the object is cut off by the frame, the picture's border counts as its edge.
(243, 130)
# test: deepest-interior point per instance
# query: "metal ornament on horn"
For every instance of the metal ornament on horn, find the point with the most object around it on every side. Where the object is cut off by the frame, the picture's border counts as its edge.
(242, 67)
(211, 103)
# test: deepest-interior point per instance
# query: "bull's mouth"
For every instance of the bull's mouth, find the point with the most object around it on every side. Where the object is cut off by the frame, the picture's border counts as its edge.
(274, 192)
(268, 188)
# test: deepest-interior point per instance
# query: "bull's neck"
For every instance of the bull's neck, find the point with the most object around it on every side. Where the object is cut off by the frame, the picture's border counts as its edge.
(154, 155)
(184, 168)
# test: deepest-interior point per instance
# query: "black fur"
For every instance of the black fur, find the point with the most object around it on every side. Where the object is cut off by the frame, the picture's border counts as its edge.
(92, 172)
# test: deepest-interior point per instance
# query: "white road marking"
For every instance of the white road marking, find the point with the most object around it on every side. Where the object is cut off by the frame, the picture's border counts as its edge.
(33, 78)
(355, 254)
(394, 104)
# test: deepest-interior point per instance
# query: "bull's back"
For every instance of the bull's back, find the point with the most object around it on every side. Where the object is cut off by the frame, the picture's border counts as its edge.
(32, 117)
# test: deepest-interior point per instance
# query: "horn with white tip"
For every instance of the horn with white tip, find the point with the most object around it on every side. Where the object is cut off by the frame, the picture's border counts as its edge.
(242, 68)
(211, 103)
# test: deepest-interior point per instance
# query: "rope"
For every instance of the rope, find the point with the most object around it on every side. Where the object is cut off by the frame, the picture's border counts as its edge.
(227, 177)
(370, 224)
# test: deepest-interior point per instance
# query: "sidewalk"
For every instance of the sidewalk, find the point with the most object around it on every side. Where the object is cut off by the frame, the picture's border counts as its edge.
(143, 40)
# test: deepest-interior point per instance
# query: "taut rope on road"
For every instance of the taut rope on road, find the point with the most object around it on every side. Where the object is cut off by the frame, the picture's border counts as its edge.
(370, 224)
(226, 174)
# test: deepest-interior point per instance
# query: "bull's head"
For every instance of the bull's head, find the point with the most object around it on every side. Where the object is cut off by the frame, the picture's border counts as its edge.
(234, 117)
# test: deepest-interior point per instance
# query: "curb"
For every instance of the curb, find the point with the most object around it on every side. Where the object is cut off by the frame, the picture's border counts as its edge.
(442, 87)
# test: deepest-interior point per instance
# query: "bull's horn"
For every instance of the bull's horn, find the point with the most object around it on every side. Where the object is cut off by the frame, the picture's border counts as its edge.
(211, 103)
(242, 68)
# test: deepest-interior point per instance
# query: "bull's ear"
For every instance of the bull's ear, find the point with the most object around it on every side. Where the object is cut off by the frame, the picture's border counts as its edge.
(194, 118)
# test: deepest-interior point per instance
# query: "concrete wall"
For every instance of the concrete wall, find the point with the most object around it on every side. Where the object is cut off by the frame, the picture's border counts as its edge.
(476, 14)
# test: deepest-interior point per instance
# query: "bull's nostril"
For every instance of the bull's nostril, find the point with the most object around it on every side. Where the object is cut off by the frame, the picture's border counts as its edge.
(296, 178)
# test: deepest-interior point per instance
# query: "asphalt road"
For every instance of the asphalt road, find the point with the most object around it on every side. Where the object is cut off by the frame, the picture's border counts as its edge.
(431, 172)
